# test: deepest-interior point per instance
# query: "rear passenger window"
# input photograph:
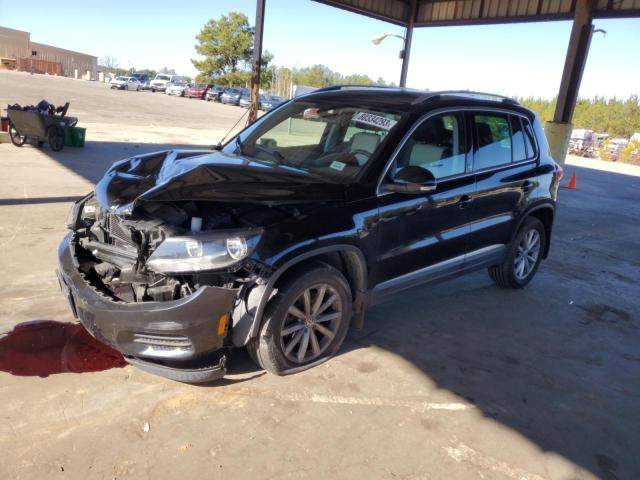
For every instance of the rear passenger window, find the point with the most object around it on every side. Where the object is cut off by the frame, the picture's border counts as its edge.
(494, 141)
(517, 140)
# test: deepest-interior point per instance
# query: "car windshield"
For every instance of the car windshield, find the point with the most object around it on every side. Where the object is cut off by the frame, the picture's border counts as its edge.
(276, 99)
(163, 77)
(333, 140)
(121, 79)
(232, 91)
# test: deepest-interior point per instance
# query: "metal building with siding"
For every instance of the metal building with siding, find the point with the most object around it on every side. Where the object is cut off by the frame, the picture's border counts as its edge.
(18, 52)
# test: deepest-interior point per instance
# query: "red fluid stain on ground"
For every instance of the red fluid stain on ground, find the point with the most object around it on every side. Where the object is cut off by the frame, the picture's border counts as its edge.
(43, 347)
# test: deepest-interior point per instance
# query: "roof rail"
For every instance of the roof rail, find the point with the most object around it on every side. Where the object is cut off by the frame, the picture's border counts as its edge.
(349, 85)
(430, 96)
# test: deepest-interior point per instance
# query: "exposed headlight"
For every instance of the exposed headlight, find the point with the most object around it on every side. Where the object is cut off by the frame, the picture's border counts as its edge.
(202, 252)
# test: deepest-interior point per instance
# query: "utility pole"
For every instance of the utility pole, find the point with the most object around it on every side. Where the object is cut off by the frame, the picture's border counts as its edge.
(257, 62)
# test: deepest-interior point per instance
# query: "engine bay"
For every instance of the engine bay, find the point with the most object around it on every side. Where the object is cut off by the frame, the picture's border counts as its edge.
(112, 251)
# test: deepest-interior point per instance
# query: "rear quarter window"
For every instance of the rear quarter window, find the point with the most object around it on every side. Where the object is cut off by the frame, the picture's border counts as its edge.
(529, 139)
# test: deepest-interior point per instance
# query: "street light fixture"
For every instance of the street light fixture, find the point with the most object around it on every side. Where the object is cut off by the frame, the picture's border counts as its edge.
(377, 40)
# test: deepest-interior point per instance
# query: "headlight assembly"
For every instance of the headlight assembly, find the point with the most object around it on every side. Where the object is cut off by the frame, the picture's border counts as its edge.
(202, 252)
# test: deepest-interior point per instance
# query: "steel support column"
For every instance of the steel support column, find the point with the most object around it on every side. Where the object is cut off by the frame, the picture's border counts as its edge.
(558, 131)
(257, 62)
(575, 61)
(408, 36)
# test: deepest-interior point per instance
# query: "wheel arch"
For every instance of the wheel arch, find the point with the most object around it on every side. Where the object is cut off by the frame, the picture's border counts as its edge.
(545, 212)
(348, 259)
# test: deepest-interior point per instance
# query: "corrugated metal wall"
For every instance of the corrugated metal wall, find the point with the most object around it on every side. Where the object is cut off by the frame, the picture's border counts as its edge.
(17, 45)
(69, 60)
(13, 43)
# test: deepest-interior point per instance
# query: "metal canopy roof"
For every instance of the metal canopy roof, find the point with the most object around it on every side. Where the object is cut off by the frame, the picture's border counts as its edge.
(481, 12)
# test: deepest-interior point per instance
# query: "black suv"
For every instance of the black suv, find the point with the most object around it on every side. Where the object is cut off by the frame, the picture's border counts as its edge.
(280, 239)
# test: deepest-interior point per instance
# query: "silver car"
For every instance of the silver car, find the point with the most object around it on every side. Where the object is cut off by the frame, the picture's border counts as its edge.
(126, 83)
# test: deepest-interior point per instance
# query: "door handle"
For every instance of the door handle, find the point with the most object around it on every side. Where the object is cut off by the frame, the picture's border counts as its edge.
(526, 186)
(464, 201)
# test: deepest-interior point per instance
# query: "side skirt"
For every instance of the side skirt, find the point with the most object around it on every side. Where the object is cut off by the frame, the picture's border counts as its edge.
(451, 268)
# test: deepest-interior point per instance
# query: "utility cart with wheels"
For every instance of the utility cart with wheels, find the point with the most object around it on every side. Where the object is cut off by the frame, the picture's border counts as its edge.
(40, 124)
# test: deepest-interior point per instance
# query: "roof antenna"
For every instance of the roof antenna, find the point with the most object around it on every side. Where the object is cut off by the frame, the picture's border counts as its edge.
(219, 145)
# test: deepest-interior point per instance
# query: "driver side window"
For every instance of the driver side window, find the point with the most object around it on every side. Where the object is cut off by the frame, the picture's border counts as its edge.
(437, 145)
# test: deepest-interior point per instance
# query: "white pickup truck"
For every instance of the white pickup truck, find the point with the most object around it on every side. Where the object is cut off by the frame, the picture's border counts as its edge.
(162, 81)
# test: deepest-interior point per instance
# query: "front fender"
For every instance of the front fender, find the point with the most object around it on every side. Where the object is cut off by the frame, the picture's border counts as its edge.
(247, 315)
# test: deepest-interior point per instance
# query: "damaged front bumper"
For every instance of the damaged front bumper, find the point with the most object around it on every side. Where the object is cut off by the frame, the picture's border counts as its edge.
(179, 339)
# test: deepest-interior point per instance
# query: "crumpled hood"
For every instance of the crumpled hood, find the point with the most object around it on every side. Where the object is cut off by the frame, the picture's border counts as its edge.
(182, 175)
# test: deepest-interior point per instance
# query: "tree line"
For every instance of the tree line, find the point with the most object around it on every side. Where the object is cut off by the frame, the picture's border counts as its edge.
(614, 116)
(226, 49)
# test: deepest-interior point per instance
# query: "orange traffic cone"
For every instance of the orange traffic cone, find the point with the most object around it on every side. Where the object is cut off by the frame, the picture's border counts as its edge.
(572, 185)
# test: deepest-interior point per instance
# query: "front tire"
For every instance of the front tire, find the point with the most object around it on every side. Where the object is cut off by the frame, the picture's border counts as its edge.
(523, 258)
(305, 323)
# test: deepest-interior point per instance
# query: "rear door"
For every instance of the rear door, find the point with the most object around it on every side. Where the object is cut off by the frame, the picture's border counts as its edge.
(424, 236)
(505, 167)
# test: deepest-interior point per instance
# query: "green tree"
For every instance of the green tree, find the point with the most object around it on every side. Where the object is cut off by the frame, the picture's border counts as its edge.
(227, 47)
(617, 117)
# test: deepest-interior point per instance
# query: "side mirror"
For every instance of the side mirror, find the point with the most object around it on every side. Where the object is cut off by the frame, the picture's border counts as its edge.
(413, 180)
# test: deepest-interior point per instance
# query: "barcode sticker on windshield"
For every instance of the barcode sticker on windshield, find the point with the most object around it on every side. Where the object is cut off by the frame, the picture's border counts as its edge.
(337, 165)
(374, 120)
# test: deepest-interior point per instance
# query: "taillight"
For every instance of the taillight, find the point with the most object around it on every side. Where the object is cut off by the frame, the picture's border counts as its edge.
(559, 172)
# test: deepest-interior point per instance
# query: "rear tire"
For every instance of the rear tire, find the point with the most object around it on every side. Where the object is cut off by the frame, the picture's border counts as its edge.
(523, 258)
(56, 137)
(320, 299)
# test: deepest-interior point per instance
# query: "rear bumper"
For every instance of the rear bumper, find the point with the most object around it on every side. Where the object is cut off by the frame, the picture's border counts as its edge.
(172, 334)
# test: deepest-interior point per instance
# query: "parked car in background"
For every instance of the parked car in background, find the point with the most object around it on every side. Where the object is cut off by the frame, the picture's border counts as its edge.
(281, 241)
(196, 90)
(581, 142)
(272, 102)
(162, 81)
(214, 93)
(126, 83)
(146, 85)
(245, 100)
(142, 78)
(119, 83)
(177, 89)
(231, 96)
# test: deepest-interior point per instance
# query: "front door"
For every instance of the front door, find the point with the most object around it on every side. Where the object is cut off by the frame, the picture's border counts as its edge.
(427, 235)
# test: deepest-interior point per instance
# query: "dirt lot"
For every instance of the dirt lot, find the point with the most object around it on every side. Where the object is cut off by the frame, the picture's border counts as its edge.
(459, 380)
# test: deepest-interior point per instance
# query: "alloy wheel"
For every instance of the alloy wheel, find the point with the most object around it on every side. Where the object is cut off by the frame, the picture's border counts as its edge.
(527, 254)
(311, 323)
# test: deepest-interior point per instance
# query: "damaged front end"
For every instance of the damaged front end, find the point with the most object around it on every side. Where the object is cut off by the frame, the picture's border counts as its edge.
(163, 252)
(161, 285)
(159, 257)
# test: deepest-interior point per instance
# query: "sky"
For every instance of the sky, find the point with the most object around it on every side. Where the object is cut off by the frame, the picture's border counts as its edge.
(520, 59)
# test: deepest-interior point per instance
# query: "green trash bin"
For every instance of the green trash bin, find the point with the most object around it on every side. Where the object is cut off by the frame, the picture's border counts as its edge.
(74, 136)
